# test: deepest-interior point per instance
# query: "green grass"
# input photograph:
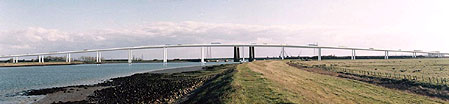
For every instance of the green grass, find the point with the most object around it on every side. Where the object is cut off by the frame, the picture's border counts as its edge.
(294, 85)
(250, 88)
(238, 86)
(422, 69)
(268, 82)
(215, 91)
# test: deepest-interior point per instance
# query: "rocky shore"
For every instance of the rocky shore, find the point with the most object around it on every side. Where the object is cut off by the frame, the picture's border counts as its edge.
(163, 86)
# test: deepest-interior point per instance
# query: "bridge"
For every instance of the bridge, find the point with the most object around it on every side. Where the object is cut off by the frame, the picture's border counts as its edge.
(237, 47)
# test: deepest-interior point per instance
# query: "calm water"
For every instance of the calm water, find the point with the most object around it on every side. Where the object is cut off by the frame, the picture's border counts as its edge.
(16, 80)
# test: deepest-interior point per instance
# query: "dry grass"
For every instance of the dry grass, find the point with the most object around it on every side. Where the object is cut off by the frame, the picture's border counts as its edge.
(299, 86)
(417, 67)
(431, 71)
(250, 87)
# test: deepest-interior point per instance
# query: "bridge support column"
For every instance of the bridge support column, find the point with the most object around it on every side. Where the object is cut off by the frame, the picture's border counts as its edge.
(202, 55)
(414, 55)
(319, 54)
(251, 54)
(15, 60)
(236, 54)
(98, 57)
(165, 55)
(39, 58)
(68, 58)
(130, 56)
(386, 54)
(243, 54)
(353, 55)
(283, 53)
(42, 59)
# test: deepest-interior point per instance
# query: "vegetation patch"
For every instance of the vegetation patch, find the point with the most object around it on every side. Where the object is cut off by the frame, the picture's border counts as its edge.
(303, 86)
(156, 88)
(428, 89)
(237, 86)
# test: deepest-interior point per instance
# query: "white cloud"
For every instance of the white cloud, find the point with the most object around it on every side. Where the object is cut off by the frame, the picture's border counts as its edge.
(37, 39)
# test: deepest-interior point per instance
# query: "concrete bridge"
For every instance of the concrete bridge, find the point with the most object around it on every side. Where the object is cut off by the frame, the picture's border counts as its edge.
(236, 51)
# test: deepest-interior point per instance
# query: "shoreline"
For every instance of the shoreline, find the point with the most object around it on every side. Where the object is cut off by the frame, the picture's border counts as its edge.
(82, 93)
(38, 64)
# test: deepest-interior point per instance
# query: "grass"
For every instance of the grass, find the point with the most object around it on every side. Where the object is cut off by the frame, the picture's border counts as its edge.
(251, 88)
(423, 69)
(299, 86)
(428, 67)
(239, 86)
(267, 82)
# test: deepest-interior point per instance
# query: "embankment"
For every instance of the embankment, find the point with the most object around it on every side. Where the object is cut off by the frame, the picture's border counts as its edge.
(164, 86)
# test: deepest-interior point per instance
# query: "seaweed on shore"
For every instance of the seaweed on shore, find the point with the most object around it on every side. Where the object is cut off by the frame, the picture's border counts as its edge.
(52, 90)
(154, 88)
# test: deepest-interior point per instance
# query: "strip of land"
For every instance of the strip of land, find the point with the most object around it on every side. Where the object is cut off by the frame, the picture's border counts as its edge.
(37, 64)
(287, 84)
(263, 82)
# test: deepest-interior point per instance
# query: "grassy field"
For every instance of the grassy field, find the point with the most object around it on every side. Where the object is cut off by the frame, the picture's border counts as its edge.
(264, 82)
(434, 71)
(299, 86)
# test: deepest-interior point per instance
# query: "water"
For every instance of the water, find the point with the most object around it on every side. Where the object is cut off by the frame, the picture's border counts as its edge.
(15, 80)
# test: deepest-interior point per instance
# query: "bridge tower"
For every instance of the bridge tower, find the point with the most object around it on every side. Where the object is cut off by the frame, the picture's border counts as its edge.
(236, 54)
(283, 53)
(251, 54)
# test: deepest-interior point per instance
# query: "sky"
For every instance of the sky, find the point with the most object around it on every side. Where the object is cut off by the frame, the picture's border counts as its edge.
(30, 26)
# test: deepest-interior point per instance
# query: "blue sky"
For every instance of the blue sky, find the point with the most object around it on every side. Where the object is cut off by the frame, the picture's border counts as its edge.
(28, 26)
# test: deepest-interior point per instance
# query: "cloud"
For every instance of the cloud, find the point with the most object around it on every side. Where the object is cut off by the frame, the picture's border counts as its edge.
(38, 39)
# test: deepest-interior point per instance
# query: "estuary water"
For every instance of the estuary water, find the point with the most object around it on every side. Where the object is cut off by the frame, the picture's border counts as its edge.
(15, 80)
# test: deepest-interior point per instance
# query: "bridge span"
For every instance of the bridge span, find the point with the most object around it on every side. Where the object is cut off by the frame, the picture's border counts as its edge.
(40, 56)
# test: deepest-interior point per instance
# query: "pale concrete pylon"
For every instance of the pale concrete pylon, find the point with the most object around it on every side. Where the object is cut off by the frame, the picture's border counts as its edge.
(319, 54)
(202, 55)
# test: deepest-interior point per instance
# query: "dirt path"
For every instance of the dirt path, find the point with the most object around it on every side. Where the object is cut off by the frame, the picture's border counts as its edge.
(301, 86)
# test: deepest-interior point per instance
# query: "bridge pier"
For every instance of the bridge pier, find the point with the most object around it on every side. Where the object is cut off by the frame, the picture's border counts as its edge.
(42, 59)
(98, 57)
(236, 54)
(319, 54)
(202, 55)
(165, 55)
(283, 53)
(251, 54)
(386, 54)
(130, 56)
(243, 54)
(414, 55)
(68, 58)
(15, 59)
(353, 55)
